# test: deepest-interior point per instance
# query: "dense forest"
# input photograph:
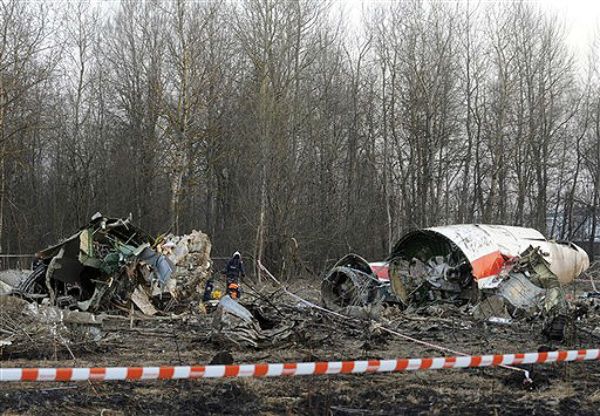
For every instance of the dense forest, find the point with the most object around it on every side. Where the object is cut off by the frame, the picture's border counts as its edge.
(289, 131)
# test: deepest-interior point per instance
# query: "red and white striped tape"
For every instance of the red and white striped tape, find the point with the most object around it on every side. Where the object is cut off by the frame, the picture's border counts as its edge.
(291, 369)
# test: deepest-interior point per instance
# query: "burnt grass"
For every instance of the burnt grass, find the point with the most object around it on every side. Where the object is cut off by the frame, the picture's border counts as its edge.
(566, 388)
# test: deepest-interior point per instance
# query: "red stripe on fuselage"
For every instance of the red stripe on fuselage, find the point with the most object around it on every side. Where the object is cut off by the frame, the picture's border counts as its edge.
(488, 265)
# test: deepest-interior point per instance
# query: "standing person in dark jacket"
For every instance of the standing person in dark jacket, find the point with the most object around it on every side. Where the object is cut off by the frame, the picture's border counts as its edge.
(233, 270)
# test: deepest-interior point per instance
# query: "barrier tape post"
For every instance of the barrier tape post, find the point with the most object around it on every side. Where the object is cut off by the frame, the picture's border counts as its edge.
(290, 369)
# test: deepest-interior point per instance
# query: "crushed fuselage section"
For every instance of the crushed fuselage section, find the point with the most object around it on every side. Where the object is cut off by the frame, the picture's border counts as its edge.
(504, 272)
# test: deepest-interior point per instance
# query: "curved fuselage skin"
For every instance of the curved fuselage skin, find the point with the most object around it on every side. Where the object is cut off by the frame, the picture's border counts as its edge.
(489, 247)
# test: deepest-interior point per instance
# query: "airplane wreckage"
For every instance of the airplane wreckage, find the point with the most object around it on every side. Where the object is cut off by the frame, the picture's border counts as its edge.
(111, 264)
(499, 272)
(495, 273)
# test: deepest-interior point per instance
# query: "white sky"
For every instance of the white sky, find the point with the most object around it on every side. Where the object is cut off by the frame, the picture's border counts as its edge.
(580, 17)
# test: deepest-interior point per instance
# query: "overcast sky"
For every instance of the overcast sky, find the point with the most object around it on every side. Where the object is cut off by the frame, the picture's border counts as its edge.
(581, 18)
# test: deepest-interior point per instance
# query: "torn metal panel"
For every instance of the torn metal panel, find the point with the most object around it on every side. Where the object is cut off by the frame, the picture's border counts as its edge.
(163, 267)
(13, 277)
(449, 277)
(233, 307)
(491, 307)
(520, 292)
(142, 301)
(51, 251)
(191, 256)
(65, 266)
(234, 324)
(554, 300)
(5, 288)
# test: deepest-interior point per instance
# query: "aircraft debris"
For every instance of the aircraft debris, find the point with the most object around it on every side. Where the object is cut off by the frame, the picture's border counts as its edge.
(9, 279)
(234, 324)
(500, 272)
(484, 252)
(110, 264)
(351, 282)
(29, 328)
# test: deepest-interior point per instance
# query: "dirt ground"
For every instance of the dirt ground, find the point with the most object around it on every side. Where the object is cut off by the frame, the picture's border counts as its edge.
(568, 388)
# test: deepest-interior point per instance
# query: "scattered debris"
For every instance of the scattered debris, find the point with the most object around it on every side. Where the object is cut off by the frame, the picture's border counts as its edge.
(9, 279)
(30, 329)
(444, 309)
(142, 301)
(234, 324)
(498, 273)
(506, 272)
(110, 264)
(5, 288)
(190, 253)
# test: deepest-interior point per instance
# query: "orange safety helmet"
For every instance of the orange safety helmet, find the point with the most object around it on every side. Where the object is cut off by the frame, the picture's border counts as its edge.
(233, 290)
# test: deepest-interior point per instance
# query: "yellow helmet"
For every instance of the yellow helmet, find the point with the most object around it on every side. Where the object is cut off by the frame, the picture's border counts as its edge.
(216, 294)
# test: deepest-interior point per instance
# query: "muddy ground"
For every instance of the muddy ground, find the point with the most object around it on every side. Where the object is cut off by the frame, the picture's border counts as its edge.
(569, 388)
